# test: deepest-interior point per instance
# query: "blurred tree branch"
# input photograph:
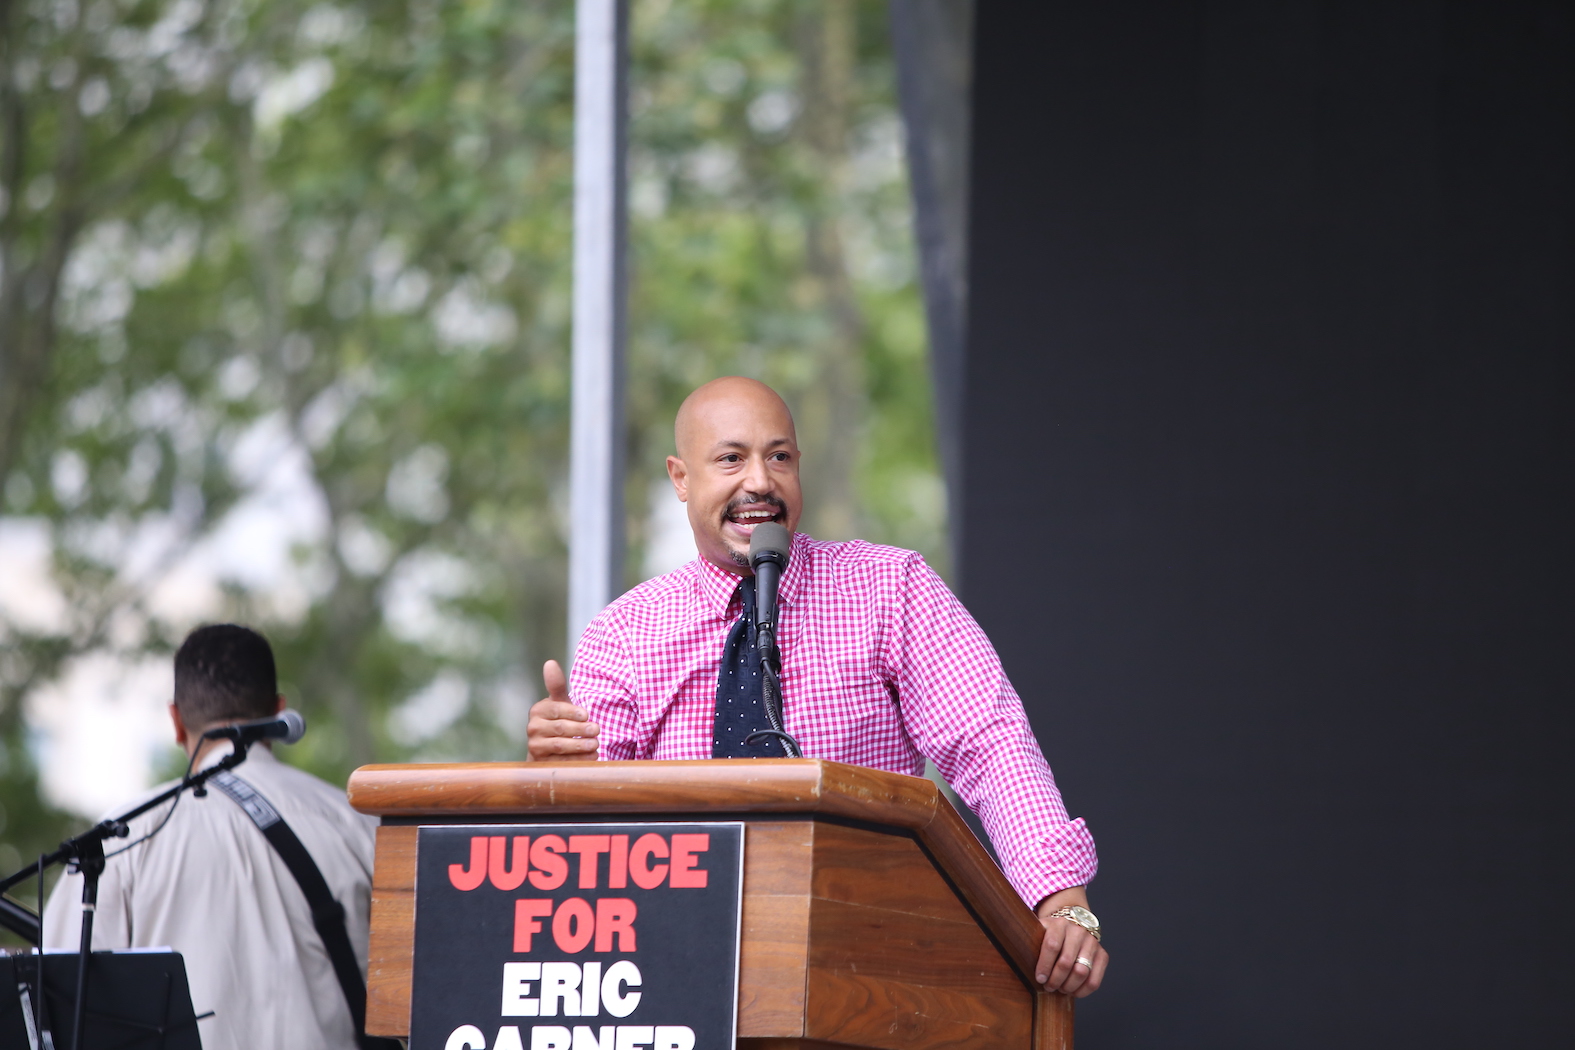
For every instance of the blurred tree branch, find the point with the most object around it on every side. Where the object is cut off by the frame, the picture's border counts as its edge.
(31, 272)
(304, 360)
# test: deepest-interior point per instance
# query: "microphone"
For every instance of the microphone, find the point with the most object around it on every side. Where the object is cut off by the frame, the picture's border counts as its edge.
(769, 544)
(287, 726)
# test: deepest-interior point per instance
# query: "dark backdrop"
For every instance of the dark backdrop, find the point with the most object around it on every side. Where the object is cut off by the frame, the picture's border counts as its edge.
(1269, 485)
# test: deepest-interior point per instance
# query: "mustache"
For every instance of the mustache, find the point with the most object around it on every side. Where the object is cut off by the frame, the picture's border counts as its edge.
(749, 497)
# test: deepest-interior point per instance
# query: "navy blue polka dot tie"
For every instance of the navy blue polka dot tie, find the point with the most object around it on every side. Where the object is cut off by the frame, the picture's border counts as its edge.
(740, 691)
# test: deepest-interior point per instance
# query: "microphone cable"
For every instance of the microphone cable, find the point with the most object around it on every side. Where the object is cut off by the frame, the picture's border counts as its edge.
(772, 687)
(238, 744)
(167, 813)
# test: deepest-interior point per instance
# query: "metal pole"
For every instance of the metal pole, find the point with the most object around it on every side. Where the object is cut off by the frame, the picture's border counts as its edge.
(596, 424)
(90, 862)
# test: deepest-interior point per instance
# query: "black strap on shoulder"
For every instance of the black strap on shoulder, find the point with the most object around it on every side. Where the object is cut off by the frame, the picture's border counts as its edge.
(328, 915)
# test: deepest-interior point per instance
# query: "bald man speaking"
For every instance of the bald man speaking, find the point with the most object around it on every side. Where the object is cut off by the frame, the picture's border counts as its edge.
(882, 667)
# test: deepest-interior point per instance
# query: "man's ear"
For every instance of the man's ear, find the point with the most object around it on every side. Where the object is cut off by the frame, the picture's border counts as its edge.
(678, 473)
(281, 705)
(180, 726)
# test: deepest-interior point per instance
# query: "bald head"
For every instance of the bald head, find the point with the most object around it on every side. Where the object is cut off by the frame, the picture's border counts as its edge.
(737, 466)
(712, 408)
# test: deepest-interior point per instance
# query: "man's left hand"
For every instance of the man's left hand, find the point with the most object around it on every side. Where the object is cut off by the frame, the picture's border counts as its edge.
(1071, 961)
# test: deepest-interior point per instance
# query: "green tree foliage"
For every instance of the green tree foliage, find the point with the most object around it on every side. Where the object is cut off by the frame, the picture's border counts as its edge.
(304, 268)
(772, 237)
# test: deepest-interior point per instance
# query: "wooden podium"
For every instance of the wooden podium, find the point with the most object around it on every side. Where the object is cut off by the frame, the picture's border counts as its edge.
(872, 916)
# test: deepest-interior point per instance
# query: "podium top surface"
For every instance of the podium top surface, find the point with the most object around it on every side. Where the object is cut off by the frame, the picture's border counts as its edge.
(451, 791)
(782, 785)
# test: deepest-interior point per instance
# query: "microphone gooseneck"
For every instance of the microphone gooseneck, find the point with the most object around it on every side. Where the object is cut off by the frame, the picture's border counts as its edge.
(769, 546)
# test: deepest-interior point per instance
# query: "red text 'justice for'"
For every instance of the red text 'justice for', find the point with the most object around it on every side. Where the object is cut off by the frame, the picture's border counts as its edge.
(576, 922)
(544, 863)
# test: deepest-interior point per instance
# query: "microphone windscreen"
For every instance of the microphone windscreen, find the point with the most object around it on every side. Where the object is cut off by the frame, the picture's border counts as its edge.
(295, 725)
(770, 538)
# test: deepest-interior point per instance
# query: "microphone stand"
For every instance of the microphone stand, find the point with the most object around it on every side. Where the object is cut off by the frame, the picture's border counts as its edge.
(85, 853)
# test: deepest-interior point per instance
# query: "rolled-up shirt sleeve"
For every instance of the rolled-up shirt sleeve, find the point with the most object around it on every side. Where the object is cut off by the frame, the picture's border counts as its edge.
(603, 681)
(962, 712)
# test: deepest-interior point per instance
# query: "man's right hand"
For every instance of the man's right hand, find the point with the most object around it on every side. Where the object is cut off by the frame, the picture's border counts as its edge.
(558, 730)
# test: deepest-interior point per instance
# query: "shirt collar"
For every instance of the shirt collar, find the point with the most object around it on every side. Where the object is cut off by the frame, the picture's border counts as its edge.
(718, 587)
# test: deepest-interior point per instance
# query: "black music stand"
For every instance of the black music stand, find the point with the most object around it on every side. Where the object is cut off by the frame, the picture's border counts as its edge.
(137, 1000)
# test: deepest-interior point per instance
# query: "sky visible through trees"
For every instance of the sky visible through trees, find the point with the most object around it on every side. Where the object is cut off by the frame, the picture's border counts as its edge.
(284, 329)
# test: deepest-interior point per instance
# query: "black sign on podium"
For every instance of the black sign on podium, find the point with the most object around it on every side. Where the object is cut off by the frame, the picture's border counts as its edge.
(577, 936)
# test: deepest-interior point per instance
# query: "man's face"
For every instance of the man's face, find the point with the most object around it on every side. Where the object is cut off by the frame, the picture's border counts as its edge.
(738, 468)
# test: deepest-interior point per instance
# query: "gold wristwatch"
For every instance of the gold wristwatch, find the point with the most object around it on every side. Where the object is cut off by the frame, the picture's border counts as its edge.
(1082, 916)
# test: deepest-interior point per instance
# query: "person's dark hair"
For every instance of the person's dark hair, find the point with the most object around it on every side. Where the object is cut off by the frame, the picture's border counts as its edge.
(224, 673)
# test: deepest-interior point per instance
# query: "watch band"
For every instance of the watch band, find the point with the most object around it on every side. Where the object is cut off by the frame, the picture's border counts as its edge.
(1071, 915)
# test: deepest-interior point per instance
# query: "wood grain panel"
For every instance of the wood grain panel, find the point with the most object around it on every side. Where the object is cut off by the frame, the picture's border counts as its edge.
(391, 948)
(771, 966)
(856, 1010)
(913, 949)
(772, 957)
(778, 857)
(1053, 1021)
(860, 866)
(983, 885)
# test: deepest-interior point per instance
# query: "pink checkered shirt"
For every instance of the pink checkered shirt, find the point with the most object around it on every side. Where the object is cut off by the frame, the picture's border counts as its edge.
(882, 666)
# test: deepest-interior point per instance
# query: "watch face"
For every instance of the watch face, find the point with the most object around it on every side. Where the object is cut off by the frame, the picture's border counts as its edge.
(1083, 917)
